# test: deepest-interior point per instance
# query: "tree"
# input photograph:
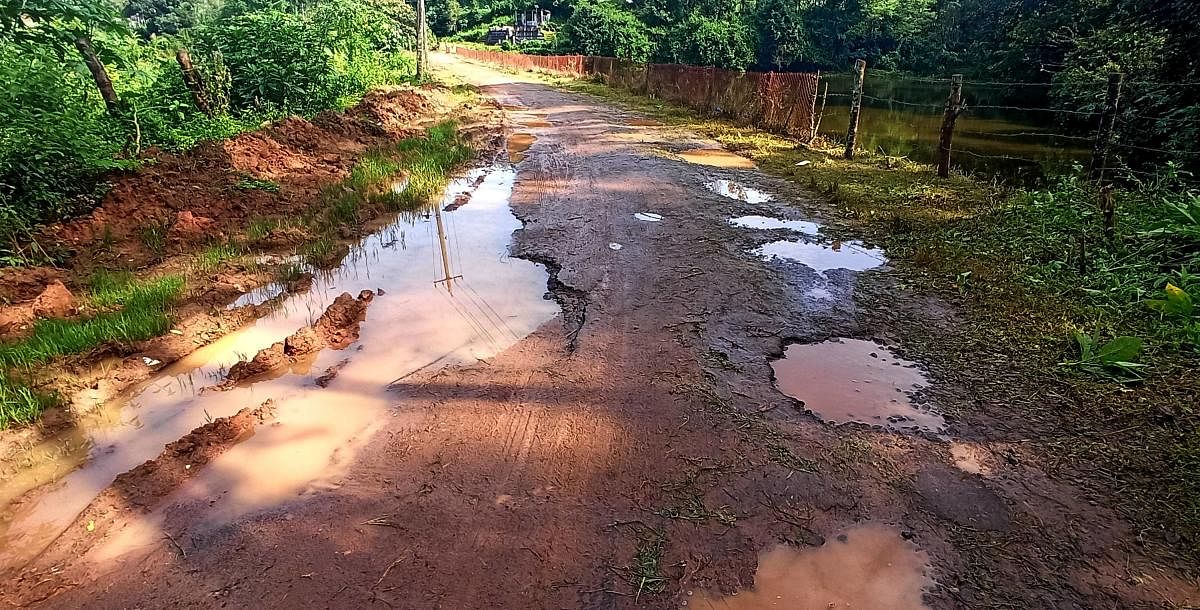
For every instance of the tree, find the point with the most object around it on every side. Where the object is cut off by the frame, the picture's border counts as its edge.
(597, 28)
(705, 41)
(782, 36)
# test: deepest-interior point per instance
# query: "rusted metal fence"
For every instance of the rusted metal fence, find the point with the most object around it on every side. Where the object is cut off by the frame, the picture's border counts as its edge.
(779, 102)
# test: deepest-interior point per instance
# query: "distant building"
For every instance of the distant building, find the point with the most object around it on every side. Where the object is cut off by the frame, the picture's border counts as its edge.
(528, 26)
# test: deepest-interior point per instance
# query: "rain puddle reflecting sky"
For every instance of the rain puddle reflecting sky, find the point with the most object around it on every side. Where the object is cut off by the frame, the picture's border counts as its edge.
(734, 190)
(447, 300)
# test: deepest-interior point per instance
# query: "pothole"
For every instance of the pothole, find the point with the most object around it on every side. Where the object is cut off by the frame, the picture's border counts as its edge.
(735, 190)
(716, 157)
(850, 255)
(518, 145)
(766, 223)
(854, 381)
(870, 566)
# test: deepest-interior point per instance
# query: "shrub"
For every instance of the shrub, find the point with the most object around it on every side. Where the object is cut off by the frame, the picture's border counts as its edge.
(601, 29)
(702, 41)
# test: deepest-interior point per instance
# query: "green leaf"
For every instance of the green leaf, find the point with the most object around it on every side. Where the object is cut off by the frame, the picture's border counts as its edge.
(1085, 346)
(1120, 350)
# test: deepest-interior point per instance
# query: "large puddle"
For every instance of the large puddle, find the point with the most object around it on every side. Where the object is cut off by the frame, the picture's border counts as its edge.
(518, 145)
(851, 255)
(450, 294)
(867, 567)
(735, 190)
(849, 380)
(716, 157)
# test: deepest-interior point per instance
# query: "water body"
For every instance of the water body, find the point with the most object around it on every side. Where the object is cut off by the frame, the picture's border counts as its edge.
(735, 190)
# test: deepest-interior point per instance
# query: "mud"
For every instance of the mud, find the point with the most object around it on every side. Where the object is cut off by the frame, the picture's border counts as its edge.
(716, 157)
(518, 144)
(852, 381)
(735, 190)
(870, 566)
(620, 455)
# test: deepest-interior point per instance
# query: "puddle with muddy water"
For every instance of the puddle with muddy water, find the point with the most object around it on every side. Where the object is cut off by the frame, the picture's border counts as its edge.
(734, 190)
(867, 567)
(449, 296)
(850, 380)
(643, 123)
(716, 157)
(518, 145)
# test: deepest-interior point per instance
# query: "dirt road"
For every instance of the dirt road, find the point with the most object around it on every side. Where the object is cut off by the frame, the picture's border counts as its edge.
(635, 450)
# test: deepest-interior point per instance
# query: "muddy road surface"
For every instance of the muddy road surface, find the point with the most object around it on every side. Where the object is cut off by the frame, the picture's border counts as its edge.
(620, 368)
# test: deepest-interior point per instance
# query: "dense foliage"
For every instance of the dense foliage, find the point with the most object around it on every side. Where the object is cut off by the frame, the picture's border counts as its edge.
(256, 60)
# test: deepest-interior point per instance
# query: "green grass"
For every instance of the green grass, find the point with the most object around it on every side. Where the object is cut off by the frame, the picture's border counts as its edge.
(216, 254)
(646, 572)
(142, 314)
(21, 404)
(249, 183)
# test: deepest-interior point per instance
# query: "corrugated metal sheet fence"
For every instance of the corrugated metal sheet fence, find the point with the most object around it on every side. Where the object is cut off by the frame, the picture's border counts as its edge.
(779, 102)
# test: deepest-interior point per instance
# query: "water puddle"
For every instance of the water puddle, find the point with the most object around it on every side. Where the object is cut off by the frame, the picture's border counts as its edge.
(643, 123)
(851, 255)
(866, 567)
(767, 223)
(450, 294)
(536, 123)
(258, 296)
(716, 157)
(849, 380)
(734, 190)
(518, 145)
(648, 217)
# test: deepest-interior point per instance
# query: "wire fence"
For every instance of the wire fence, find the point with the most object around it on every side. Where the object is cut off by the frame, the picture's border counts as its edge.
(782, 103)
(1014, 129)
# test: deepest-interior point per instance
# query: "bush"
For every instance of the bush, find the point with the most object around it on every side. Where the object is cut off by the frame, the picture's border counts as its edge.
(702, 41)
(600, 29)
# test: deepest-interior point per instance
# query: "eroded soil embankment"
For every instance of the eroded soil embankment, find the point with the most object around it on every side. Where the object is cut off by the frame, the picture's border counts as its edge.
(169, 219)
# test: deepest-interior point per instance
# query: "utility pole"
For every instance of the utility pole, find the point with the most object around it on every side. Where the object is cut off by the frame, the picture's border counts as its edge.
(422, 43)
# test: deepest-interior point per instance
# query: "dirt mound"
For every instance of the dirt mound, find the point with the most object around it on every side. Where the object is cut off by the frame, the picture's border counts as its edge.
(337, 328)
(54, 301)
(154, 479)
(288, 162)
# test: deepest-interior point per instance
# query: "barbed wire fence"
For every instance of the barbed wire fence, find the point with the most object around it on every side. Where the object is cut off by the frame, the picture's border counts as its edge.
(1095, 133)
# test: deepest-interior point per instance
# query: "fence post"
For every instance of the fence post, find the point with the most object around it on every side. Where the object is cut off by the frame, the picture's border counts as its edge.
(860, 72)
(1108, 120)
(949, 116)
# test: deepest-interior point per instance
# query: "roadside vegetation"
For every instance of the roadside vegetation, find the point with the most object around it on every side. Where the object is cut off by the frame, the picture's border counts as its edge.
(119, 308)
(1053, 292)
(93, 87)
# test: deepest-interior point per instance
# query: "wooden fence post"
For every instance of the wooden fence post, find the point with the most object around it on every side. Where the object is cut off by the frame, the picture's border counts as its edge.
(860, 72)
(194, 82)
(1108, 121)
(949, 116)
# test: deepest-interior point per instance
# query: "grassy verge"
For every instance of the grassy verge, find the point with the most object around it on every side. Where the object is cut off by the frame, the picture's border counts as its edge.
(121, 308)
(1032, 268)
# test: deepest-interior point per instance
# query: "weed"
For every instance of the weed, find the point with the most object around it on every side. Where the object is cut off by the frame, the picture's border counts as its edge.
(142, 315)
(21, 404)
(216, 254)
(288, 273)
(646, 572)
(260, 228)
(249, 183)
(154, 236)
